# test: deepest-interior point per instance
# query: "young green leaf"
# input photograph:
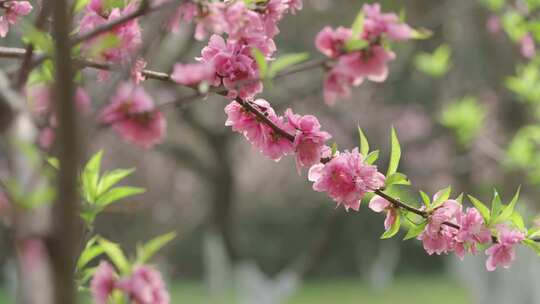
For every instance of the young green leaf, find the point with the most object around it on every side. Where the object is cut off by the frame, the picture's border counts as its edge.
(421, 33)
(90, 177)
(353, 45)
(517, 220)
(145, 252)
(54, 162)
(496, 204)
(334, 148)
(39, 39)
(533, 245)
(509, 209)
(459, 199)
(436, 64)
(426, 200)
(261, 62)
(414, 231)
(393, 229)
(116, 194)
(397, 179)
(110, 179)
(90, 252)
(113, 251)
(481, 207)
(395, 154)
(79, 5)
(286, 61)
(441, 196)
(358, 25)
(372, 157)
(533, 232)
(364, 145)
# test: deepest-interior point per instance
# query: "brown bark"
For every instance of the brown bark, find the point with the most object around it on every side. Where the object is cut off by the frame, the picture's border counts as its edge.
(63, 240)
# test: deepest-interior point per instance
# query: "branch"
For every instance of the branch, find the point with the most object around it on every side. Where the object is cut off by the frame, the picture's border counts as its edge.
(62, 244)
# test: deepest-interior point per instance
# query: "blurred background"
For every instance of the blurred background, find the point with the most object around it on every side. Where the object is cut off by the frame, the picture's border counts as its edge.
(253, 231)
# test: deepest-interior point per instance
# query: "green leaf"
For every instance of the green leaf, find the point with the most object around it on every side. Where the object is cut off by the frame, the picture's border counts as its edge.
(90, 177)
(334, 148)
(442, 196)
(459, 199)
(496, 204)
(465, 117)
(517, 220)
(286, 61)
(113, 251)
(481, 207)
(397, 179)
(116, 194)
(79, 5)
(414, 231)
(509, 209)
(54, 162)
(426, 200)
(395, 154)
(494, 5)
(533, 245)
(533, 232)
(436, 64)
(110, 179)
(149, 249)
(421, 33)
(41, 40)
(355, 44)
(364, 145)
(261, 62)
(91, 251)
(372, 157)
(393, 229)
(105, 42)
(358, 25)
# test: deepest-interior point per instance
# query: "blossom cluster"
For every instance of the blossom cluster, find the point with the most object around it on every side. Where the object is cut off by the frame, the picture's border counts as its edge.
(117, 45)
(143, 286)
(13, 10)
(133, 114)
(360, 54)
(237, 30)
(309, 144)
(451, 228)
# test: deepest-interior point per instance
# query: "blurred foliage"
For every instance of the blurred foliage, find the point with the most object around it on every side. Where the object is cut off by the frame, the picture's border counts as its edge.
(436, 64)
(464, 117)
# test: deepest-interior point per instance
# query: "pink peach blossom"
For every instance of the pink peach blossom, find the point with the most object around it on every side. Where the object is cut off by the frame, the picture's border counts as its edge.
(472, 231)
(346, 179)
(309, 140)
(186, 12)
(503, 253)
(527, 46)
(103, 283)
(13, 11)
(133, 115)
(379, 204)
(377, 24)
(439, 238)
(235, 67)
(260, 135)
(493, 24)
(332, 42)
(145, 286)
(128, 34)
